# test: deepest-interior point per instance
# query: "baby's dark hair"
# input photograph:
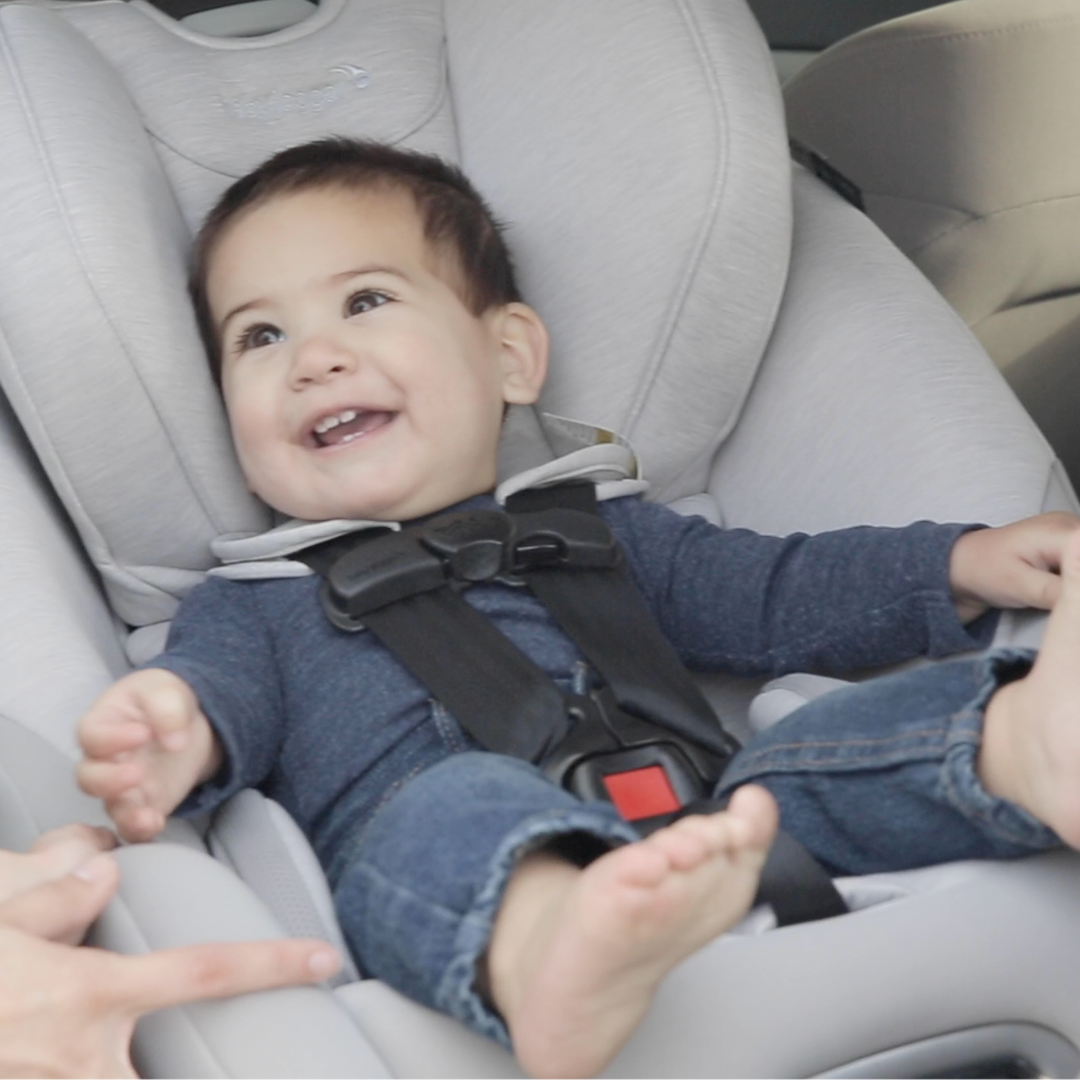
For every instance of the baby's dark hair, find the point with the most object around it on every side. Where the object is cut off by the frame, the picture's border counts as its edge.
(455, 219)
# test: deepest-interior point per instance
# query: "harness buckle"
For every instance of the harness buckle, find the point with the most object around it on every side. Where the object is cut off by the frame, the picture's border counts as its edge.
(479, 545)
(649, 774)
(472, 543)
(561, 537)
(391, 567)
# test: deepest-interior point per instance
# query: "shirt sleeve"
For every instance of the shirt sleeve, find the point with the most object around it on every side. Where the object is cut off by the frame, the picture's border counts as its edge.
(221, 646)
(736, 601)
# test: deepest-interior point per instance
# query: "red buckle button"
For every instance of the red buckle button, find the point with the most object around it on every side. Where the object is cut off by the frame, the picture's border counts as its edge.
(641, 793)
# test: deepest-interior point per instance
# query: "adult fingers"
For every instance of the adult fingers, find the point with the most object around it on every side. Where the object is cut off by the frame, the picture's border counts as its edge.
(55, 854)
(62, 909)
(91, 837)
(143, 983)
(62, 850)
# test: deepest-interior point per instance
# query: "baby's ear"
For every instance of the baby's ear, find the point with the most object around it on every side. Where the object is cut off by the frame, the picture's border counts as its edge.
(523, 351)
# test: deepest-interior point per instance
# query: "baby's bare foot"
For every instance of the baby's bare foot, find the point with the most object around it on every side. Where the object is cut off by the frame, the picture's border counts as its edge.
(1031, 738)
(578, 955)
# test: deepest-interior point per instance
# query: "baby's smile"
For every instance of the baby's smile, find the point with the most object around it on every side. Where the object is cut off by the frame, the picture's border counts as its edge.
(347, 425)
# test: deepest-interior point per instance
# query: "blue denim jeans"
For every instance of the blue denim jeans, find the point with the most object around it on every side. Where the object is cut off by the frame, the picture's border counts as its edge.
(874, 777)
(880, 775)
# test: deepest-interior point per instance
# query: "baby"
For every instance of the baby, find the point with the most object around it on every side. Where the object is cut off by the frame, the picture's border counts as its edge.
(360, 310)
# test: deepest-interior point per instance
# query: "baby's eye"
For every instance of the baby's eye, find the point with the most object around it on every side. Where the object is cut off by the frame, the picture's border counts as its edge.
(258, 337)
(366, 300)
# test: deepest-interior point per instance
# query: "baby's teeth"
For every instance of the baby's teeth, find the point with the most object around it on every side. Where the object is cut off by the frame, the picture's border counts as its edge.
(328, 422)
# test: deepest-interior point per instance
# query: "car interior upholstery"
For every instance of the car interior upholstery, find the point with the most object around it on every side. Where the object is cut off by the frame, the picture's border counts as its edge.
(777, 363)
(957, 124)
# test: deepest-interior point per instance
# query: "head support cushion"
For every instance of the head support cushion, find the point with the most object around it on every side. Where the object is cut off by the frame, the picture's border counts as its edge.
(635, 149)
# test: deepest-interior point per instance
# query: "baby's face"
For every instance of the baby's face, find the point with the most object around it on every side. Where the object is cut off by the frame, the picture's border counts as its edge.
(358, 384)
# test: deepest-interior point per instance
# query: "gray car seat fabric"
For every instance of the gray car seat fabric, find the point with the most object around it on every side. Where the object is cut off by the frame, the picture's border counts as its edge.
(773, 359)
(183, 114)
(958, 124)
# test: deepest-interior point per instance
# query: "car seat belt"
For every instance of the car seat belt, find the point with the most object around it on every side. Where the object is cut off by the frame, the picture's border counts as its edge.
(828, 173)
(645, 739)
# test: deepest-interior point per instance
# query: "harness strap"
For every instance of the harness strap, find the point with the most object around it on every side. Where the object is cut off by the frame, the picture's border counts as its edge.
(797, 886)
(606, 617)
(505, 701)
(647, 740)
(604, 614)
(502, 699)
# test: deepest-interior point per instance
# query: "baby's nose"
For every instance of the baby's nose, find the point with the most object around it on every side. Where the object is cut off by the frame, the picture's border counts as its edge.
(320, 356)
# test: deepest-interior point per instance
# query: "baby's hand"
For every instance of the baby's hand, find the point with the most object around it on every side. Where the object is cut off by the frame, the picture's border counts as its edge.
(146, 744)
(1015, 566)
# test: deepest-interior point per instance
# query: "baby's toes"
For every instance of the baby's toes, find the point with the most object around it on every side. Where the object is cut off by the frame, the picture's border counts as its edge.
(688, 842)
(642, 865)
(755, 817)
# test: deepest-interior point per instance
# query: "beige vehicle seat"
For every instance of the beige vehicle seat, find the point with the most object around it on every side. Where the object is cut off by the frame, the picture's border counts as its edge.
(958, 123)
(777, 364)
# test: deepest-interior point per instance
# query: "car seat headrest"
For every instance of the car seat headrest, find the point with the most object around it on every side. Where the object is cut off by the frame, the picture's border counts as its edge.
(636, 150)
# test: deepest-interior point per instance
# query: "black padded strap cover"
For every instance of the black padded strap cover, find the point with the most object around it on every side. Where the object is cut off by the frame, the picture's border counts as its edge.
(498, 695)
(797, 886)
(606, 616)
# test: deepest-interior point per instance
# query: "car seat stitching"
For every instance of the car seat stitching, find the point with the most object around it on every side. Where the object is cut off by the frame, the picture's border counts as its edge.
(767, 326)
(861, 50)
(58, 478)
(323, 17)
(92, 536)
(447, 92)
(123, 348)
(655, 364)
(155, 137)
(394, 138)
(440, 97)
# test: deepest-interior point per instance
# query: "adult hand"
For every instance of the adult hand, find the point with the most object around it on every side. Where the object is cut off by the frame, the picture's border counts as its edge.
(1015, 566)
(67, 1011)
(54, 855)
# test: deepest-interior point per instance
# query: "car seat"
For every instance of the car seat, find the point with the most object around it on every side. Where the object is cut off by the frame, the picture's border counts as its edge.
(775, 361)
(957, 124)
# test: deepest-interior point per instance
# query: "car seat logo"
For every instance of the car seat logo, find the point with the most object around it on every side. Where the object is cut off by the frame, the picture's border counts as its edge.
(278, 104)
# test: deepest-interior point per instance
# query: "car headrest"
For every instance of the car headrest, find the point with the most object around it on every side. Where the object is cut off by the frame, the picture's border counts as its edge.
(635, 148)
(958, 123)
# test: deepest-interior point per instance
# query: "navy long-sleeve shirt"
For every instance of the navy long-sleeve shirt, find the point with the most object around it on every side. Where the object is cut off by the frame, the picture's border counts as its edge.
(329, 723)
